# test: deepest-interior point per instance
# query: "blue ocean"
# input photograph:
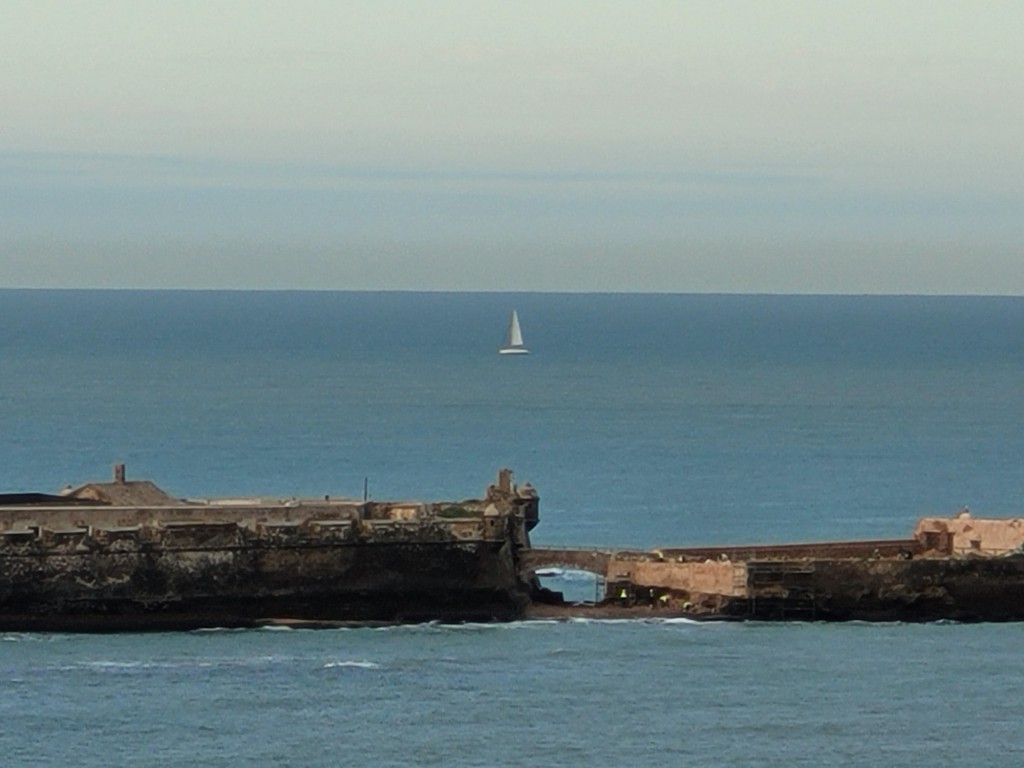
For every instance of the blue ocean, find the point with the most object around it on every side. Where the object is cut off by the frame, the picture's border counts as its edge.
(642, 420)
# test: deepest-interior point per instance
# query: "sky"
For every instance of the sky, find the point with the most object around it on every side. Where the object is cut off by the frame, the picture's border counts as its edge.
(827, 146)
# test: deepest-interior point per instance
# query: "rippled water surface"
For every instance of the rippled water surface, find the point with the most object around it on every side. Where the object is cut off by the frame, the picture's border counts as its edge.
(580, 693)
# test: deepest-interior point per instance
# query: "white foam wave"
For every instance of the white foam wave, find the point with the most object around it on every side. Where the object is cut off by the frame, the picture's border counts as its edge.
(34, 637)
(438, 627)
(679, 620)
(217, 630)
(585, 620)
(351, 665)
(493, 626)
(145, 665)
(471, 626)
(638, 621)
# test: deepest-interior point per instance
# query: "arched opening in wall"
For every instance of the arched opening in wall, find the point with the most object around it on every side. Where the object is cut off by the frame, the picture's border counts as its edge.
(574, 585)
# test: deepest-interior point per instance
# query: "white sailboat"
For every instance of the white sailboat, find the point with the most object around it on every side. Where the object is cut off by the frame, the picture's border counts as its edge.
(514, 338)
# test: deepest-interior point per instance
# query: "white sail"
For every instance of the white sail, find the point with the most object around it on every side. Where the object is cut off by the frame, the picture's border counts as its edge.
(515, 333)
(514, 338)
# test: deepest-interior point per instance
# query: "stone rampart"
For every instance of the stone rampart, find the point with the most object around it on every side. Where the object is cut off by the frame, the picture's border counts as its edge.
(255, 516)
(800, 551)
(966, 534)
(717, 577)
(644, 569)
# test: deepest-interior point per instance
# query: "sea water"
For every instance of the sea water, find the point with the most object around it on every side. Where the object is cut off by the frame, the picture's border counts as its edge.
(642, 421)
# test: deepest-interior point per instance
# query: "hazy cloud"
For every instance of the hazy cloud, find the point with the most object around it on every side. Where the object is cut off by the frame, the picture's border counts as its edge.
(800, 146)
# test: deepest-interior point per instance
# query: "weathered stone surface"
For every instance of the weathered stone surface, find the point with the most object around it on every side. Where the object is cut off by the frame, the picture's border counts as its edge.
(196, 564)
(126, 555)
(959, 569)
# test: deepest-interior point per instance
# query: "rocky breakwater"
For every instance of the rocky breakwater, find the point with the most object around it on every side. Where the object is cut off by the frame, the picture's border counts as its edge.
(959, 568)
(125, 555)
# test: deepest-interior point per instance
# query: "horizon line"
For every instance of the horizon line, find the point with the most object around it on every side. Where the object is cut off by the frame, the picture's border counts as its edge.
(520, 292)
